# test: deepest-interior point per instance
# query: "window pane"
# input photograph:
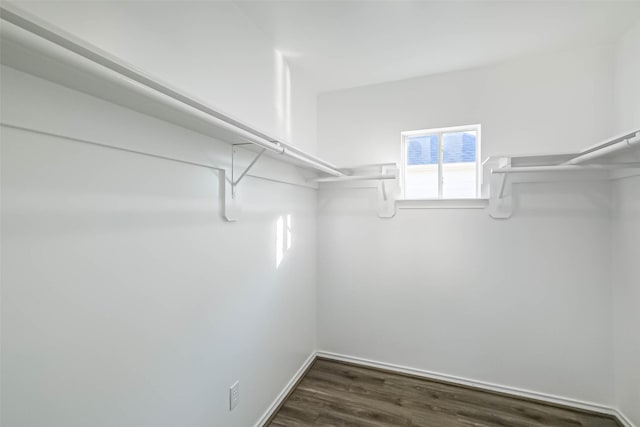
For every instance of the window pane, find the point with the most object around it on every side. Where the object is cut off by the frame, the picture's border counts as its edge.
(459, 174)
(459, 147)
(421, 174)
(422, 150)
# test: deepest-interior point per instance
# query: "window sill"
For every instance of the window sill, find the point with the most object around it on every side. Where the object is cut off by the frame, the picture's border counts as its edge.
(442, 203)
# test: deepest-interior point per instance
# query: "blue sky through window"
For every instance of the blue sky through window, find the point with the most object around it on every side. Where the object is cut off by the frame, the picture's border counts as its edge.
(457, 147)
(422, 150)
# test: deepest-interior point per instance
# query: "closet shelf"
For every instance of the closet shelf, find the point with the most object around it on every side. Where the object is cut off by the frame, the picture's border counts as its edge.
(39, 48)
(380, 176)
(610, 159)
(74, 56)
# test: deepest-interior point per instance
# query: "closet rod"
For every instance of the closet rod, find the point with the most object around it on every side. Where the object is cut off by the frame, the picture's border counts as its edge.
(613, 146)
(356, 178)
(565, 168)
(46, 31)
(326, 169)
(370, 165)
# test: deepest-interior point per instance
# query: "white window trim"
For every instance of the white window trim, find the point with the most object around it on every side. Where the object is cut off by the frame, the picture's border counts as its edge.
(442, 203)
(439, 131)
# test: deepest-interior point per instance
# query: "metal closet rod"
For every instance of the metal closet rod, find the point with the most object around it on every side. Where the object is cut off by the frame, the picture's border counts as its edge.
(565, 168)
(609, 147)
(357, 178)
(576, 163)
(44, 30)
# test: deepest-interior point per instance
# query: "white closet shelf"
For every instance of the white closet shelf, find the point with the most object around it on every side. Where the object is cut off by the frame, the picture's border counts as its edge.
(613, 158)
(36, 47)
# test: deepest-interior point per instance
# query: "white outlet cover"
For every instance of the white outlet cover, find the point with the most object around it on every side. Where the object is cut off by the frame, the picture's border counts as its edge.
(234, 395)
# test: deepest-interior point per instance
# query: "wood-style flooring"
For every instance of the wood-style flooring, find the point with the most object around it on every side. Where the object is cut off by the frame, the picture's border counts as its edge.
(338, 394)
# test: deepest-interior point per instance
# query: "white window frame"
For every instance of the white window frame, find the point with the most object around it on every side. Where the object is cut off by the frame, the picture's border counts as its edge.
(439, 131)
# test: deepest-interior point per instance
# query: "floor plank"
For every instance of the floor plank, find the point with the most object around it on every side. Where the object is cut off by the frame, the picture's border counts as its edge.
(340, 394)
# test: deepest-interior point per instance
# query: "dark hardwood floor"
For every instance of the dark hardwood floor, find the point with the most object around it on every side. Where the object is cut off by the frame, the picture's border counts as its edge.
(338, 394)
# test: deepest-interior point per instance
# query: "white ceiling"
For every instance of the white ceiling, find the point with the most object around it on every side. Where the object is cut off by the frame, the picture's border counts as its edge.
(342, 44)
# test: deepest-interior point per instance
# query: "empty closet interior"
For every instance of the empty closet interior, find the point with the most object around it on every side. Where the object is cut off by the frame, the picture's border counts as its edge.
(252, 213)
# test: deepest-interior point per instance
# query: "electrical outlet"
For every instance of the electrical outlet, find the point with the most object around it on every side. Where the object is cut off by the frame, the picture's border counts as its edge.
(234, 395)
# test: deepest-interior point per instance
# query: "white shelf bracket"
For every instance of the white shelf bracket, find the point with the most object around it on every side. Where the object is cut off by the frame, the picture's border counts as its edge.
(388, 191)
(232, 208)
(499, 188)
(235, 181)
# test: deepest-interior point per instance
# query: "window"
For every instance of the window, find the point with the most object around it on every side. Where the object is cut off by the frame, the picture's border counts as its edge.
(441, 163)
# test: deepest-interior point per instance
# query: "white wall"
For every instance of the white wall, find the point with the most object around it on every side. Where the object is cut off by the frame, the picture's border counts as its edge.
(558, 102)
(626, 237)
(626, 295)
(209, 50)
(627, 82)
(149, 342)
(522, 303)
(126, 299)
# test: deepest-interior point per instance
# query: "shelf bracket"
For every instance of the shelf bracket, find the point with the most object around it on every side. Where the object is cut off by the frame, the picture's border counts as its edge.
(232, 208)
(500, 185)
(388, 191)
(235, 181)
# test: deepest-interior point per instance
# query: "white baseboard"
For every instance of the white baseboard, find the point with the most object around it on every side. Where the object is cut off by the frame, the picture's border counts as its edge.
(574, 403)
(626, 422)
(287, 389)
